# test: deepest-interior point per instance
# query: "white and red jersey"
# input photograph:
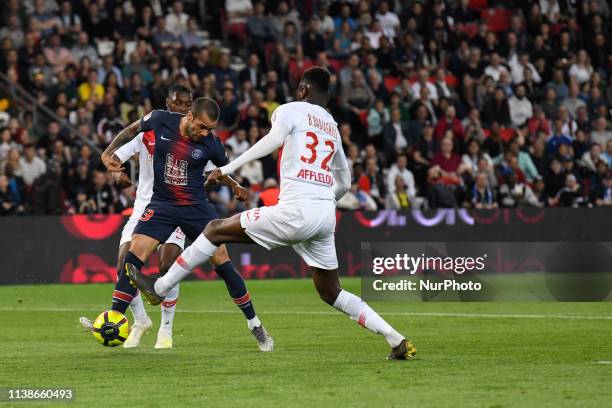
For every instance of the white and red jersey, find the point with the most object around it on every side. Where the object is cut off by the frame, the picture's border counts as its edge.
(311, 149)
(144, 145)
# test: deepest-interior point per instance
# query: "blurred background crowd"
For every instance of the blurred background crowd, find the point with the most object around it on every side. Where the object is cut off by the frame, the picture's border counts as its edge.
(440, 103)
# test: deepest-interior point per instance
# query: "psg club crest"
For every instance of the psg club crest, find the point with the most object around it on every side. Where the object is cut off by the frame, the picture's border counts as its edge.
(197, 154)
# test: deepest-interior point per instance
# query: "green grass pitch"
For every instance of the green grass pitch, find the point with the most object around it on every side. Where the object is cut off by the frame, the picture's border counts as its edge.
(469, 354)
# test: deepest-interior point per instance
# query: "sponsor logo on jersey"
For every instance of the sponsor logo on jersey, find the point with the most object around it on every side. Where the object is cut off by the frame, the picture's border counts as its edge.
(175, 171)
(315, 176)
(197, 154)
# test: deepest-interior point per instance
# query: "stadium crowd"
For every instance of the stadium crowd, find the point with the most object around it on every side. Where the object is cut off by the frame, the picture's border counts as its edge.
(440, 103)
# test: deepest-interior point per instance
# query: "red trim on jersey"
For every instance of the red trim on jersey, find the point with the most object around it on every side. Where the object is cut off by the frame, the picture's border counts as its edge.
(126, 297)
(242, 300)
(182, 197)
(148, 139)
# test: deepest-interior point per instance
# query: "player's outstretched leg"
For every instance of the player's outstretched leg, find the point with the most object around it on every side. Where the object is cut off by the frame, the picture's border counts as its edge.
(168, 307)
(328, 286)
(237, 289)
(201, 250)
(167, 255)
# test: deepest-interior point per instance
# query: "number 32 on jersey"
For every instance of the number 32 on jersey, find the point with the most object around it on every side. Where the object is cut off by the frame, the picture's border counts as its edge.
(312, 151)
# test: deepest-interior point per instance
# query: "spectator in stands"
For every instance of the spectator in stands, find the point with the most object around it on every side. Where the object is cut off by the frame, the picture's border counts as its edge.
(557, 138)
(399, 199)
(6, 144)
(31, 166)
(176, 21)
(449, 122)
(495, 67)
(13, 31)
(91, 90)
(430, 68)
(9, 202)
(357, 199)
(43, 21)
(378, 116)
(521, 109)
(513, 193)
(84, 49)
(423, 82)
(482, 196)
(448, 161)
(400, 169)
(570, 195)
(602, 196)
(396, 135)
(496, 109)
(601, 134)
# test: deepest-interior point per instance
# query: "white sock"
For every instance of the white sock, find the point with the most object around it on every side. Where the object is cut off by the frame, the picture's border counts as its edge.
(196, 254)
(363, 314)
(138, 309)
(168, 306)
(253, 323)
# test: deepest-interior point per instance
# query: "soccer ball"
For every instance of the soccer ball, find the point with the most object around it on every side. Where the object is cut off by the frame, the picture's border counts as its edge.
(111, 328)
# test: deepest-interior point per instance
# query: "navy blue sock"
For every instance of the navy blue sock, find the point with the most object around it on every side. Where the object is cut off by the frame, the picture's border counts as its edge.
(124, 291)
(236, 288)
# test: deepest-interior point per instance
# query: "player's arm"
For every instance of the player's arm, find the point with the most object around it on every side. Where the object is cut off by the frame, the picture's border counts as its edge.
(270, 142)
(123, 154)
(342, 174)
(109, 158)
(240, 192)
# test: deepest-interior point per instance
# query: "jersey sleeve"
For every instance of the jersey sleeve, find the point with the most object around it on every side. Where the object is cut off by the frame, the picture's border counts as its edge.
(149, 121)
(282, 116)
(339, 161)
(129, 149)
(219, 158)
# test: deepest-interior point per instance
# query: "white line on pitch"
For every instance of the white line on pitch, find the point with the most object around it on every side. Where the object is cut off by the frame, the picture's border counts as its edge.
(603, 362)
(331, 313)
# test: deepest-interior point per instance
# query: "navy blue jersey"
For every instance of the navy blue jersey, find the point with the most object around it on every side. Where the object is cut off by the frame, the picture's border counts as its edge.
(178, 162)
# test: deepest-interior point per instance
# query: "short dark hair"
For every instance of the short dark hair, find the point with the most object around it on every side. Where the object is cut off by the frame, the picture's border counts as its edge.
(179, 90)
(318, 78)
(206, 106)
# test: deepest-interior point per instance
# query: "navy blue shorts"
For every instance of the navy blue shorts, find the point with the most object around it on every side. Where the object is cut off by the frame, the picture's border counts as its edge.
(160, 219)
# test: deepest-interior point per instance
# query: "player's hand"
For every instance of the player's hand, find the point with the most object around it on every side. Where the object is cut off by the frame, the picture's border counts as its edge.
(121, 179)
(241, 193)
(112, 163)
(214, 177)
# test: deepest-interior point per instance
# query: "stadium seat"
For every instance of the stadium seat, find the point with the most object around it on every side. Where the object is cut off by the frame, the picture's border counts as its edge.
(391, 82)
(497, 19)
(469, 29)
(478, 4)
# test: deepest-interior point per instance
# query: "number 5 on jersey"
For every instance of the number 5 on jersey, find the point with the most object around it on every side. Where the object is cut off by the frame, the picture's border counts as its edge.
(312, 147)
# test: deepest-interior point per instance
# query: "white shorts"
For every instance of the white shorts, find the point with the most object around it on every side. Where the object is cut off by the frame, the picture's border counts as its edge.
(177, 237)
(308, 229)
